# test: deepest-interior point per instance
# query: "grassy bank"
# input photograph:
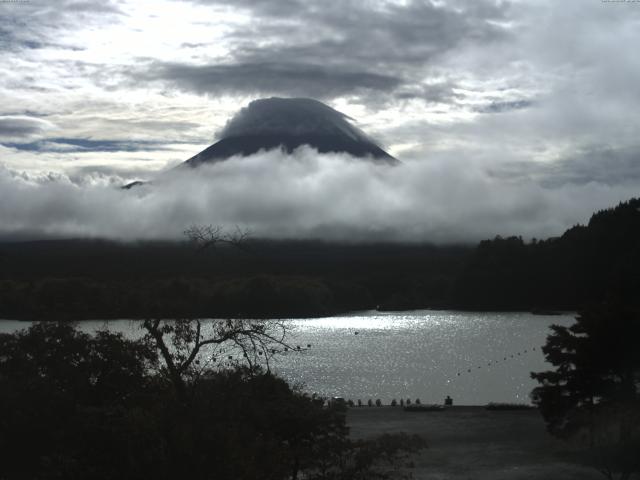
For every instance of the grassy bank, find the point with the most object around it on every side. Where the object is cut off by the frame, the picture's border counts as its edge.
(475, 443)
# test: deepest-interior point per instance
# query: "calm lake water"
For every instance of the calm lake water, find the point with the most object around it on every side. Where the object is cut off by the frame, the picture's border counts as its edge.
(475, 357)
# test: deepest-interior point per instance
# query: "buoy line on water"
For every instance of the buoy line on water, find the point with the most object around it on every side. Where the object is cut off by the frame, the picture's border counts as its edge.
(505, 359)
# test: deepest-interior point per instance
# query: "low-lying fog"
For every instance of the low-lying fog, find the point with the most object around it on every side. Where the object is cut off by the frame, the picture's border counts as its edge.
(305, 195)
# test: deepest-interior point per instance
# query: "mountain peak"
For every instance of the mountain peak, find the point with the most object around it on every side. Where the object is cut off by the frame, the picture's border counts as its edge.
(289, 123)
(294, 116)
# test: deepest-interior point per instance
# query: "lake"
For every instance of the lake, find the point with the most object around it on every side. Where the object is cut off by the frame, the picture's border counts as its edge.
(475, 357)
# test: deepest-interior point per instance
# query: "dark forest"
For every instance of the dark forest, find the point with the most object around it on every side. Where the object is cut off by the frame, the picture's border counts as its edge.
(80, 279)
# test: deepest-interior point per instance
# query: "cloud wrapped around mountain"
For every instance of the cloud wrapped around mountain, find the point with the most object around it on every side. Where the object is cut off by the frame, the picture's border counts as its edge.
(289, 115)
(303, 195)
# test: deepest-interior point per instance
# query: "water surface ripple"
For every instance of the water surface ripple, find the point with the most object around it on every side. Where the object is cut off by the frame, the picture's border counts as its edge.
(475, 357)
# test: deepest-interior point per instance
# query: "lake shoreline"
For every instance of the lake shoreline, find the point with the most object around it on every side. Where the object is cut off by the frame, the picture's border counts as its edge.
(536, 312)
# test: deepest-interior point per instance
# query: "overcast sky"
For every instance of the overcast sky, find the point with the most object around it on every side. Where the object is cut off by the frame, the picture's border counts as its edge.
(525, 112)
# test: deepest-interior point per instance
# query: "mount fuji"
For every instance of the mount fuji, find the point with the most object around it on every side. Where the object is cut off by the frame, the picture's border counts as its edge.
(289, 123)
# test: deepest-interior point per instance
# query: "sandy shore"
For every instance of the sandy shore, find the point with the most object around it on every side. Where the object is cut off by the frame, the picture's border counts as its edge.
(475, 444)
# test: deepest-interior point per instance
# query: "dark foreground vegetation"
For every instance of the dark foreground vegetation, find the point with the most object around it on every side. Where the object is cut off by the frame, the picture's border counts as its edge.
(583, 267)
(592, 396)
(76, 279)
(79, 406)
(181, 402)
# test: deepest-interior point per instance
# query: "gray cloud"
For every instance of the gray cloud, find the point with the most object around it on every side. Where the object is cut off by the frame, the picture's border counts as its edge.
(498, 107)
(21, 127)
(479, 85)
(36, 24)
(327, 50)
(389, 35)
(607, 166)
(304, 195)
(301, 79)
(93, 8)
(440, 92)
(86, 145)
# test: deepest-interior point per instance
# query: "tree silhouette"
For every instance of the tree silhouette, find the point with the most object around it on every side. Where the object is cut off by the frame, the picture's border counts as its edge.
(212, 236)
(97, 406)
(592, 395)
(180, 343)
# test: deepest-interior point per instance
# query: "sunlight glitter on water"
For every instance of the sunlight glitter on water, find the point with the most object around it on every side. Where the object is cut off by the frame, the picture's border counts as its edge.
(476, 357)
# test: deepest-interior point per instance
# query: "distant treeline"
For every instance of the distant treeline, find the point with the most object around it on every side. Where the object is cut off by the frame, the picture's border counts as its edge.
(586, 265)
(94, 279)
(79, 279)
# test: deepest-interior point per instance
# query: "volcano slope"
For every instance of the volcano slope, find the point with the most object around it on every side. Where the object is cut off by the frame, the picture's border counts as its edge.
(289, 123)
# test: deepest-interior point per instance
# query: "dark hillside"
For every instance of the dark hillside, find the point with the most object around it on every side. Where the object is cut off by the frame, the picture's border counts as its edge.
(97, 279)
(587, 264)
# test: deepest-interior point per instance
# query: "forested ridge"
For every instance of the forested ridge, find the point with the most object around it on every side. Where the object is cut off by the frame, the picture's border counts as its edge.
(75, 279)
(586, 265)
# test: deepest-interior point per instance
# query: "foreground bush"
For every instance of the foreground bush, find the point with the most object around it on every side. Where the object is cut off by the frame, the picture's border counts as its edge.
(79, 406)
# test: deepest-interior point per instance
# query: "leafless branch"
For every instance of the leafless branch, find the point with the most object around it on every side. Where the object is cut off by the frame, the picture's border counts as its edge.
(180, 343)
(211, 236)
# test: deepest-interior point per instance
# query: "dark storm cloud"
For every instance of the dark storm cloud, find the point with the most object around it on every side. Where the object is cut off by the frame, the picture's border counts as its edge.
(304, 79)
(326, 49)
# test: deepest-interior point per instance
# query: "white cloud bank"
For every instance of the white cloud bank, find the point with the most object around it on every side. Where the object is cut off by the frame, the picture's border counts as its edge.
(304, 195)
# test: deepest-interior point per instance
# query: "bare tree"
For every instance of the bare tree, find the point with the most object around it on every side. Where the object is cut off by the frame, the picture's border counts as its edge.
(183, 344)
(211, 236)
